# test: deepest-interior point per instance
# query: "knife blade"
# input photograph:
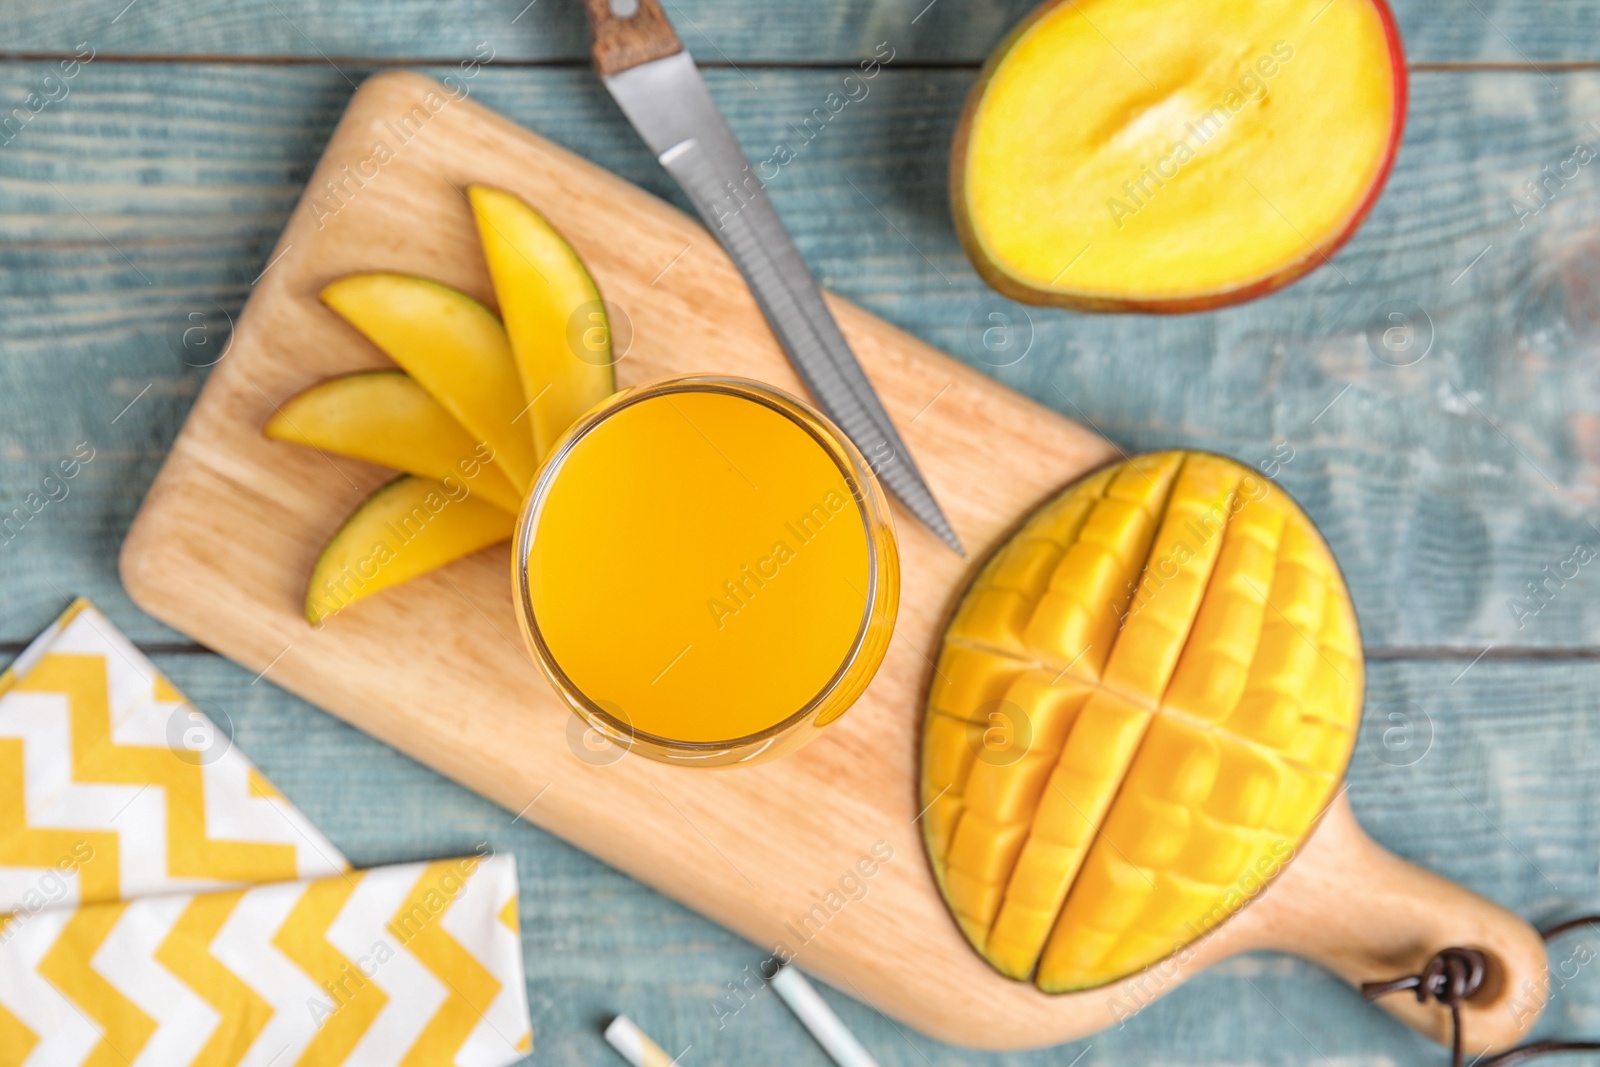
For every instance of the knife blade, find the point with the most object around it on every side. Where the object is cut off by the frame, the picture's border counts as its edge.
(659, 89)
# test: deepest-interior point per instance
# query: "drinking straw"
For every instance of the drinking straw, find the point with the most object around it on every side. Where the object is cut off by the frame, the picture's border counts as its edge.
(634, 1045)
(813, 1012)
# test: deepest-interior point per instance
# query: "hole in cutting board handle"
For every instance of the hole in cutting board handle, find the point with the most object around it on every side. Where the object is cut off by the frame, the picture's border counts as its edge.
(624, 9)
(1494, 979)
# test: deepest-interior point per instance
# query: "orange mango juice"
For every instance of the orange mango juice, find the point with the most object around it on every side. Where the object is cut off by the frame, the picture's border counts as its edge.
(702, 563)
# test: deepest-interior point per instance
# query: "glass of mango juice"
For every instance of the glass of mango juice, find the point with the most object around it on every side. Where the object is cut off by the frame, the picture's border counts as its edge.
(706, 571)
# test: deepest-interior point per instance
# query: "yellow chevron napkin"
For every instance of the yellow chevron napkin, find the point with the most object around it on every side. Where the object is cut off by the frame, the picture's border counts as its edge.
(113, 786)
(417, 965)
(123, 810)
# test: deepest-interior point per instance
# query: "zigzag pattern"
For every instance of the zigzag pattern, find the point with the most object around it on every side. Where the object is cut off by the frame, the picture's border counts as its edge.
(103, 795)
(418, 965)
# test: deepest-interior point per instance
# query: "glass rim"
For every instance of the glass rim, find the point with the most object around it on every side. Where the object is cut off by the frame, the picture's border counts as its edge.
(870, 508)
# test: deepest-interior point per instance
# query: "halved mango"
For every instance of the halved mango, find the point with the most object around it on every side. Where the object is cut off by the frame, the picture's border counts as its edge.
(553, 313)
(455, 348)
(408, 527)
(385, 417)
(1186, 684)
(1167, 155)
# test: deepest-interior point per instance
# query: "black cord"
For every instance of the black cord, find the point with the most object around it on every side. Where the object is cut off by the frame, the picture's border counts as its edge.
(1454, 975)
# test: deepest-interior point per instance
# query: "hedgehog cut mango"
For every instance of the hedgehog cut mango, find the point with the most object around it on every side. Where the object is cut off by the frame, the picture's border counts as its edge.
(1141, 707)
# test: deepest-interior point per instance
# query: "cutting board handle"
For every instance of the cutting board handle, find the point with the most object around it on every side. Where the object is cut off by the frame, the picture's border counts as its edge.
(1367, 915)
(628, 33)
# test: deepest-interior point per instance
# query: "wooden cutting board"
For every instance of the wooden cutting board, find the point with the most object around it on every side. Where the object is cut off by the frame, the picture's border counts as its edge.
(437, 668)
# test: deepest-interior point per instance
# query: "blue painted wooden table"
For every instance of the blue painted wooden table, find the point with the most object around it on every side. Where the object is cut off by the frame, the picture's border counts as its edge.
(150, 153)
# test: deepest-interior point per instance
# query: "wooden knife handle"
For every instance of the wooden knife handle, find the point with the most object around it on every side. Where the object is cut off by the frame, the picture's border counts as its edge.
(628, 33)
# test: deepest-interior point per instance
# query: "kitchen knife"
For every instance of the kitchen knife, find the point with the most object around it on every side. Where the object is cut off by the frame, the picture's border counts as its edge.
(655, 82)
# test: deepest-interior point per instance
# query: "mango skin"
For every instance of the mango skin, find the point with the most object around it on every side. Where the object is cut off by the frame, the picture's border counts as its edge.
(1141, 706)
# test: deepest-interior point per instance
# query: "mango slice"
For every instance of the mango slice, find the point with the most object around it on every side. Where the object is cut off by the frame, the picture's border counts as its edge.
(455, 348)
(1141, 706)
(385, 417)
(408, 527)
(1165, 155)
(553, 313)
